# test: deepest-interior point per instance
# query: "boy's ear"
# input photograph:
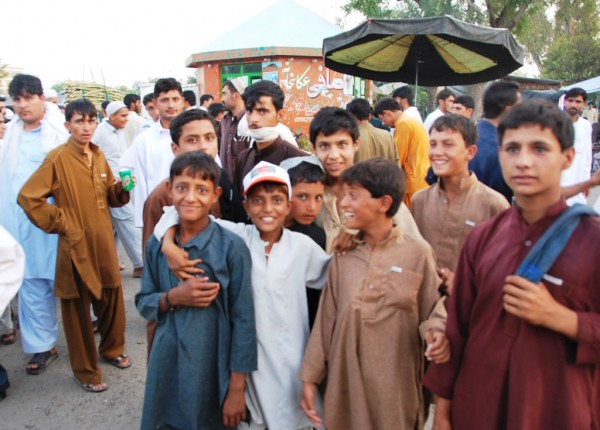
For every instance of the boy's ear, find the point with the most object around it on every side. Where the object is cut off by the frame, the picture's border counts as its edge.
(569, 155)
(218, 192)
(385, 203)
(356, 144)
(245, 205)
(280, 116)
(471, 151)
(174, 148)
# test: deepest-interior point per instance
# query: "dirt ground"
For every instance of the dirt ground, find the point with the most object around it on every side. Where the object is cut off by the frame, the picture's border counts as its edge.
(52, 400)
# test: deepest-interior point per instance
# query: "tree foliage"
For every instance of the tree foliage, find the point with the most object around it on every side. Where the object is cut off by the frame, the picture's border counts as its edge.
(573, 59)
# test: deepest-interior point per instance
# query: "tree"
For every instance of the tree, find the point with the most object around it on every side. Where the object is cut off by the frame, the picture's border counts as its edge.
(573, 59)
(573, 54)
(3, 71)
(192, 79)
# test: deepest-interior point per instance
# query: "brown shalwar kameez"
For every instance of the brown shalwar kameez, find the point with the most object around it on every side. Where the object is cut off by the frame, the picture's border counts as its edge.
(365, 346)
(87, 268)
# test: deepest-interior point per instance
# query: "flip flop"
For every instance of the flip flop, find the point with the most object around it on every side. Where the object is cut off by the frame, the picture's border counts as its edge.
(92, 388)
(9, 338)
(118, 361)
(42, 360)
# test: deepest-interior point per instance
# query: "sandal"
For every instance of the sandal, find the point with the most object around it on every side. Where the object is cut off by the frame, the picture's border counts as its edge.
(9, 338)
(92, 388)
(41, 360)
(122, 361)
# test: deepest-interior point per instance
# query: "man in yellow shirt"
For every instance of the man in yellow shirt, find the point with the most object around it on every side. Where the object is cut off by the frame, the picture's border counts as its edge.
(412, 143)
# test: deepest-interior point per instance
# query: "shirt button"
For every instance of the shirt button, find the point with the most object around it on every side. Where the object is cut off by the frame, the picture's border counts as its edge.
(371, 286)
(527, 243)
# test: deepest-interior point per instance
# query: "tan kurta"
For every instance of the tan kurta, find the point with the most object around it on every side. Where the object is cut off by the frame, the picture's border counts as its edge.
(375, 143)
(332, 221)
(445, 224)
(365, 344)
(80, 216)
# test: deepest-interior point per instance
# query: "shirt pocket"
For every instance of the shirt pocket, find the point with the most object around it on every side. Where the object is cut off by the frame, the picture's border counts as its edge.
(402, 289)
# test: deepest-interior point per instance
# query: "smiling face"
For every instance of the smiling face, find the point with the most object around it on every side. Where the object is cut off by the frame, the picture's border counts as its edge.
(197, 135)
(193, 198)
(361, 210)
(336, 152)
(268, 208)
(82, 128)
(449, 154)
(532, 162)
(307, 200)
(119, 119)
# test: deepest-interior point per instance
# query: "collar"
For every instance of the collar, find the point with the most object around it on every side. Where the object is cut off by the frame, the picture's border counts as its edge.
(202, 239)
(269, 149)
(390, 239)
(465, 183)
(77, 147)
(553, 211)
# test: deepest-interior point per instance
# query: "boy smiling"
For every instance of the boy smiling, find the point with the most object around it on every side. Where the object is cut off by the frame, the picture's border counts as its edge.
(525, 354)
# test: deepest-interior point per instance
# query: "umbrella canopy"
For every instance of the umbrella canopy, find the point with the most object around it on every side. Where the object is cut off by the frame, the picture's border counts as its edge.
(429, 51)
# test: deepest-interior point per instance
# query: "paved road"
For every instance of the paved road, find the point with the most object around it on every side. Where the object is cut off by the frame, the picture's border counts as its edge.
(52, 400)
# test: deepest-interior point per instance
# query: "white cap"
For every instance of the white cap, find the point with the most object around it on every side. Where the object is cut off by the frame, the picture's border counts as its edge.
(263, 172)
(114, 107)
(240, 83)
(50, 93)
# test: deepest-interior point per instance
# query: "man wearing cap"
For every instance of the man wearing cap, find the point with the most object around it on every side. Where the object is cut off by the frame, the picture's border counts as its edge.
(232, 143)
(110, 137)
(37, 129)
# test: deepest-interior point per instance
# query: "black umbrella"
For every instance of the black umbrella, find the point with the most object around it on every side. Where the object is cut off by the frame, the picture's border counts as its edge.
(428, 51)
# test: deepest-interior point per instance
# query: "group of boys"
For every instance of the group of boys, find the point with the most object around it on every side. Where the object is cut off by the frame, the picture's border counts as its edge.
(240, 335)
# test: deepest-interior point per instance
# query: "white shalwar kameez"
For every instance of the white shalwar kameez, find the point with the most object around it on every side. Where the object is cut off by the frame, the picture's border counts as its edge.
(279, 282)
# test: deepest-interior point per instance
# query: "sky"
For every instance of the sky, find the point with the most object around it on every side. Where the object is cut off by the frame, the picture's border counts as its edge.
(124, 41)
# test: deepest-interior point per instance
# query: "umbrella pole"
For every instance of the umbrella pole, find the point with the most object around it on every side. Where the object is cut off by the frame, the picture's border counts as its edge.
(417, 85)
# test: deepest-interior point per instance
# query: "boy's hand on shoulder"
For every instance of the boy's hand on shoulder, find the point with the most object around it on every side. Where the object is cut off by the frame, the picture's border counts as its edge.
(234, 406)
(179, 261)
(194, 292)
(343, 243)
(438, 347)
(307, 404)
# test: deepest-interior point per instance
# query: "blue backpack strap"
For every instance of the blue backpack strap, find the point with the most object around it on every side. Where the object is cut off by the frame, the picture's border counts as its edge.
(547, 249)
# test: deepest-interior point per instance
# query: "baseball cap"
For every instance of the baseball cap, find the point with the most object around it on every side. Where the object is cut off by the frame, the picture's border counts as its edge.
(264, 172)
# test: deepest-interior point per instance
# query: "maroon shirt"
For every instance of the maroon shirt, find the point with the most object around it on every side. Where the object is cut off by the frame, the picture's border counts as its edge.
(505, 373)
(231, 143)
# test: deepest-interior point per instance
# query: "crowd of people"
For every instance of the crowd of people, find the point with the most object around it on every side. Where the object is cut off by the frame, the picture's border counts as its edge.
(401, 264)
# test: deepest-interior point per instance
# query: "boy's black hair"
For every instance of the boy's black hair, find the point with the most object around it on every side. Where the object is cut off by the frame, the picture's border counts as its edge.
(576, 92)
(148, 98)
(458, 123)
(190, 97)
(104, 104)
(542, 113)
(444, 94)
(214, 109)
(165, 85)
(185, 117)
(360, 108)
(83, 107)
(386, 103)
(195, 164)
(466, 101)
(380, 177)
(269, 187)
(497, 96)
(130, 99)
(22, 85)
(404, 92)
(330, 120)
(306, 172)
(205, 97)
(260, 89)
